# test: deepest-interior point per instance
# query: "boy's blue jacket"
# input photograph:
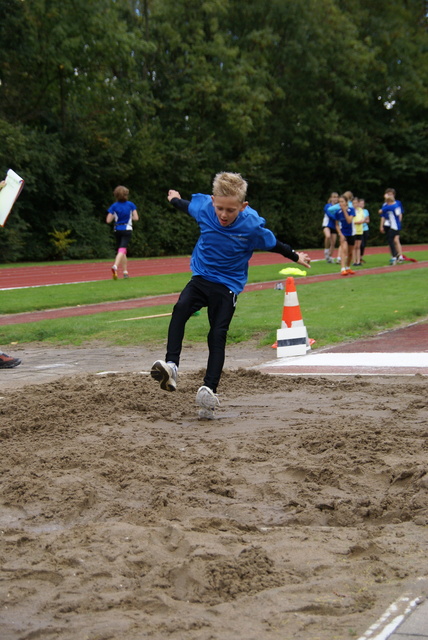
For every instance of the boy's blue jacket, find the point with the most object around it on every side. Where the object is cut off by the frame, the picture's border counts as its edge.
(221, 254)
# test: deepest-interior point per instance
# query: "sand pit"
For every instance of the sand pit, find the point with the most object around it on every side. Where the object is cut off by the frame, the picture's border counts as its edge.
(299, 513)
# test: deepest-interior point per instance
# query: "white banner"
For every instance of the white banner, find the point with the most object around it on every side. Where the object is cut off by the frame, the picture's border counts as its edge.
(9, 194)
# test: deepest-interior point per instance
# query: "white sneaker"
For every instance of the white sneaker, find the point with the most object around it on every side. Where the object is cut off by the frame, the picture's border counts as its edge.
(166, 374)
(206, 398)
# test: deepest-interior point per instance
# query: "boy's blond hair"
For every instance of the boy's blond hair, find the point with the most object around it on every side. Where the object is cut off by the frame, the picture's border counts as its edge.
(121, 193)
(230, 185)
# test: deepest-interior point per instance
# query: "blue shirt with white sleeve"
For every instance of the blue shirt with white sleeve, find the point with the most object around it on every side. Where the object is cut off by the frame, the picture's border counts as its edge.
(392, 214)
(122, 212)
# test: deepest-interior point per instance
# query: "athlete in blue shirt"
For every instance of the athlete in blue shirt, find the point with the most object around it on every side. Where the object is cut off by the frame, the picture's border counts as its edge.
(230, 231)
(343, 213)
(390, 222)
(329, 228)
(392, 213)
(123, 213)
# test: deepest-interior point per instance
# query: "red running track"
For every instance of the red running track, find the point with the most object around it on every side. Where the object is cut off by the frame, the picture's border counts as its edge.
(70, 272)
(170, 299)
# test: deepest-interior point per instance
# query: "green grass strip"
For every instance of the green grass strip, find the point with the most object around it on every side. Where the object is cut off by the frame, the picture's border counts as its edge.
(334, 311)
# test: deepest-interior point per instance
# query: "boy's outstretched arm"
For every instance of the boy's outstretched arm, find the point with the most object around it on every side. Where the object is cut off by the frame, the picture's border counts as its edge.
(296, 256)
(176, 200)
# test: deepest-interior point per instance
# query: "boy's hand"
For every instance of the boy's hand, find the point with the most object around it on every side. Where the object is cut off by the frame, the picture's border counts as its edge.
(304, 259)
(173, 194)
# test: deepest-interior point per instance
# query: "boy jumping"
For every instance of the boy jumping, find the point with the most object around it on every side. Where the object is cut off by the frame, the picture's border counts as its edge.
(230, 231)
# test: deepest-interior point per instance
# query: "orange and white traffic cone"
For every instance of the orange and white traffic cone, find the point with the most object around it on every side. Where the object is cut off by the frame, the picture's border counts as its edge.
(291, 314)
(292, 339)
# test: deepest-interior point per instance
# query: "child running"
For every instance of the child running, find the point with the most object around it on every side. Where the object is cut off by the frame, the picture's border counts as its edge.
(230, 231)
(124, 213)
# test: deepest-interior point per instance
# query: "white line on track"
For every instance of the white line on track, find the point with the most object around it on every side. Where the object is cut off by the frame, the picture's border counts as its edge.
(49, 284)
(391, 619)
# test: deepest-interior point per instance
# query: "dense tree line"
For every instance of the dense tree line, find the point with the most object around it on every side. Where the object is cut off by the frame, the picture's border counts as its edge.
(300, 97)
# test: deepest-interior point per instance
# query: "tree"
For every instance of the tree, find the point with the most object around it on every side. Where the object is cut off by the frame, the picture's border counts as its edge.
(300, 97)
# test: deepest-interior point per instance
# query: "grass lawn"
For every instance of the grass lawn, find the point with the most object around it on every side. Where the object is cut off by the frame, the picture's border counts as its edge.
(333, 311)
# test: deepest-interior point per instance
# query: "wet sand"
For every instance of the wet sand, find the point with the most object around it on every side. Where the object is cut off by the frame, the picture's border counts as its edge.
(299, 513)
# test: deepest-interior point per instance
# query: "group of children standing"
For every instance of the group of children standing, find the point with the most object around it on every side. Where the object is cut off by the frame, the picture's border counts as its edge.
(347, 217)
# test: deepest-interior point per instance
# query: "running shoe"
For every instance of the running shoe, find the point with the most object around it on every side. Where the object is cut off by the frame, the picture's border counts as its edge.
(125, 275)
(7, 362)
(114, 272)
(206, 398)
(344, 272)
(350, 272)
(166, 374)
